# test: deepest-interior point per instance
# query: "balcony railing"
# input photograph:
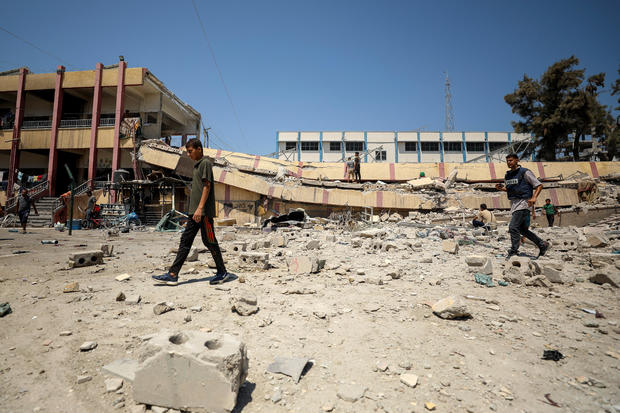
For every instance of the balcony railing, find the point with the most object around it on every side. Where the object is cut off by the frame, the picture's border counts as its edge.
(66, 123)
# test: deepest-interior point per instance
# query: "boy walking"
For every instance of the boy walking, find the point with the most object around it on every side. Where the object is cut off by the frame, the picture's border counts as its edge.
(550, 211)
(201, 211)
(523, 189)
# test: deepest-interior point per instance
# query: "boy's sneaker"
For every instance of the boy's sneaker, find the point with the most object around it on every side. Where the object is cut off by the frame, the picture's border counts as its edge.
(510, 254)
(219, 278)
(543, 248)
(166, 279)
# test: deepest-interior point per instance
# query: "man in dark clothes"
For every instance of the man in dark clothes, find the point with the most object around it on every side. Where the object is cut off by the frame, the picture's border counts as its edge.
(201, 211)
(523, 189)
(24, 202)
(357, 168)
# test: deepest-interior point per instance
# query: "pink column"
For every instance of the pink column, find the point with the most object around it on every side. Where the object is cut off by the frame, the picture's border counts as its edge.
(94, 125)
(52, 164)
(120, 109)
(17, 128)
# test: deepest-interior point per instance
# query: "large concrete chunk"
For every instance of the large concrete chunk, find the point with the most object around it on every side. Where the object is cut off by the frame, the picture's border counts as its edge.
(304, 265)
(191, 370)
(254, 260)
(85, 258)
(451, 307)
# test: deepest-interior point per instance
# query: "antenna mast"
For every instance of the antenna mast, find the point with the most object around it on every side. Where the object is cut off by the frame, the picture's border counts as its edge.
(449, 126)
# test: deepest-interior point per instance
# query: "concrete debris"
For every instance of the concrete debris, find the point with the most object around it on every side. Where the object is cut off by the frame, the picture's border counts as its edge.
(107, 249)
(610, 277)
(162, 307)
(73, 287)
(85, 258)
(122, 277)
(410, 380)
(450, 246)
(244, 303)
(451, 308)
(304, 265)
(292, 367)
(172, 359)
(123, 368)
(88, 345)
(113, 384)
(254, 260)
(351, 392)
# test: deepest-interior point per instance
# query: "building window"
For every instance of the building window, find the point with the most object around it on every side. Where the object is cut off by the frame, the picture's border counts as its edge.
(411, 146)
(309, 146)
(354, 146)
(493, 146)
(380, 155)
(475, 146)
(430, 146)
(452, 146)
(291, 145)
(335, 146)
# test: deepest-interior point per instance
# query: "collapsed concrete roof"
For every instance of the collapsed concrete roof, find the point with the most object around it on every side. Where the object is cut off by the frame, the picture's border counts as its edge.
(319, 183)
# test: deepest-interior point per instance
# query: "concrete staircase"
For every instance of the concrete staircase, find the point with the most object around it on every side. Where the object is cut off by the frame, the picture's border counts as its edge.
(44, 206)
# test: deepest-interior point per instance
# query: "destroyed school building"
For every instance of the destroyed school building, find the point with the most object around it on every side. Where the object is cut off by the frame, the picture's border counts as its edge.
(91, 121)
(244, 183)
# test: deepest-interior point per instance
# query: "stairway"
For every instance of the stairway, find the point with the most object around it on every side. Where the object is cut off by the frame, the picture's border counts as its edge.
(44, 206)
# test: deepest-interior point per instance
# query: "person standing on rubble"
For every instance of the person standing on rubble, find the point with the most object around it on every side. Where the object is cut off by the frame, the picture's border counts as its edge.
(201, 211)
(357, 168)
(350, 169)
(523, 189)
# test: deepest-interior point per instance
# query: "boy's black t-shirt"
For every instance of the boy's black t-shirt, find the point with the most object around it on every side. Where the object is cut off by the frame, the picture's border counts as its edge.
(203, 171)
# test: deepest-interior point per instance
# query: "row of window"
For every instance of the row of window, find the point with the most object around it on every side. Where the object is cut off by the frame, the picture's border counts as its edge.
(409, 146)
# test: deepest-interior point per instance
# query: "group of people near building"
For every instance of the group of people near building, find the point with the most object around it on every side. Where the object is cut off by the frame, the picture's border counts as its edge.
(353, 169)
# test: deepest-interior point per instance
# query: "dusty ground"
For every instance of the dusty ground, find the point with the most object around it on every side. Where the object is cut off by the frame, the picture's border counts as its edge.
(491, 362)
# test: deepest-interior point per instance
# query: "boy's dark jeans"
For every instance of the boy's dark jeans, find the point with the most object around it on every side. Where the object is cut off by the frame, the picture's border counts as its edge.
(205, 226)
(550, 219)
(518, 228)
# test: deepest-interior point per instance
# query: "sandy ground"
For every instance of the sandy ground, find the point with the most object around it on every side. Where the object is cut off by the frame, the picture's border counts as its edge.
(353, 318)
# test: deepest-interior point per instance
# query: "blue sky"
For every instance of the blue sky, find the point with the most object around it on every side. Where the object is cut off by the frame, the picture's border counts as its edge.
(323, 65)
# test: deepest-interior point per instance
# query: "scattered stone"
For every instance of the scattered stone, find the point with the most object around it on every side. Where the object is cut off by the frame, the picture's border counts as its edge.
(351, 392)
(314, 244)
(244, 303)
(171, 359)
(430, 406)
(73, 287)
(610, 277)
(596, 241)
(382, 365)
(162, 307)
(304, 265)
(451, 307)
(552, 274)
(410, 380)
(277, 395)
(85, 258)
(120, 296)
(83, 379)
(450, 246)
(133, 299)
(113, 384)
(88, 345)
(5, 308)
(65, 333)
(187, 318)
(254, 260)
(122, 277)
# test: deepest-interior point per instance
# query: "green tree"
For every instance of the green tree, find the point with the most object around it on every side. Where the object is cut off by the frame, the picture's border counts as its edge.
(558, 106)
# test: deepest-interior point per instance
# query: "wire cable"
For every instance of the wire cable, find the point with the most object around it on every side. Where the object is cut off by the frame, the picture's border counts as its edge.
(35, 46)
(204, 32)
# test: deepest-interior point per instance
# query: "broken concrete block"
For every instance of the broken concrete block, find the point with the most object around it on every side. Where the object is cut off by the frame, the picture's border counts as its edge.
(450, 246)
(522, 264)
(85, 258)
(566, 243)
(123, 368)
(357, 242)
(193, 254)
(225, 222)
(244, 303)
(314, 244)
(451, 307)
(351, 392)
(514, 275)
(254, 260)
(133, 299)
(239, 246)
(279, 241)
(373, 233)
(292, 367)
(331, 238)
(538, 281)
(596, 241)
(120, 296)
(107, 249)
(395, 217)
(388, 245)
(113, 384)
(475, 260)
(228, 236)
(304, 265)
(608, 276)
(376, 245)
(122, 277)
(215, 364)
(552, 274)
(480, 264)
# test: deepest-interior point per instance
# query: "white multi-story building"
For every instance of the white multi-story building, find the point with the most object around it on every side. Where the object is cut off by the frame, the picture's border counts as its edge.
(392, 146)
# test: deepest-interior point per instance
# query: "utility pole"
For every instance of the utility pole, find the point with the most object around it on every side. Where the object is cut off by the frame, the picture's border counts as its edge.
(449, 126)
(206, 131)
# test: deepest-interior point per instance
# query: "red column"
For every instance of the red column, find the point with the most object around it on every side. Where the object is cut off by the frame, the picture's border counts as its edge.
(17, 128)
(52, 164)
(94, 125)
(120, 109)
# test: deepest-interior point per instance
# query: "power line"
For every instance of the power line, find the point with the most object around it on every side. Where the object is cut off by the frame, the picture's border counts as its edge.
(204, 32)
(35, 46)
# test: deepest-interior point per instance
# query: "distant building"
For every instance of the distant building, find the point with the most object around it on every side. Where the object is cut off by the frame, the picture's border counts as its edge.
(90, 121)
(392, 146)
